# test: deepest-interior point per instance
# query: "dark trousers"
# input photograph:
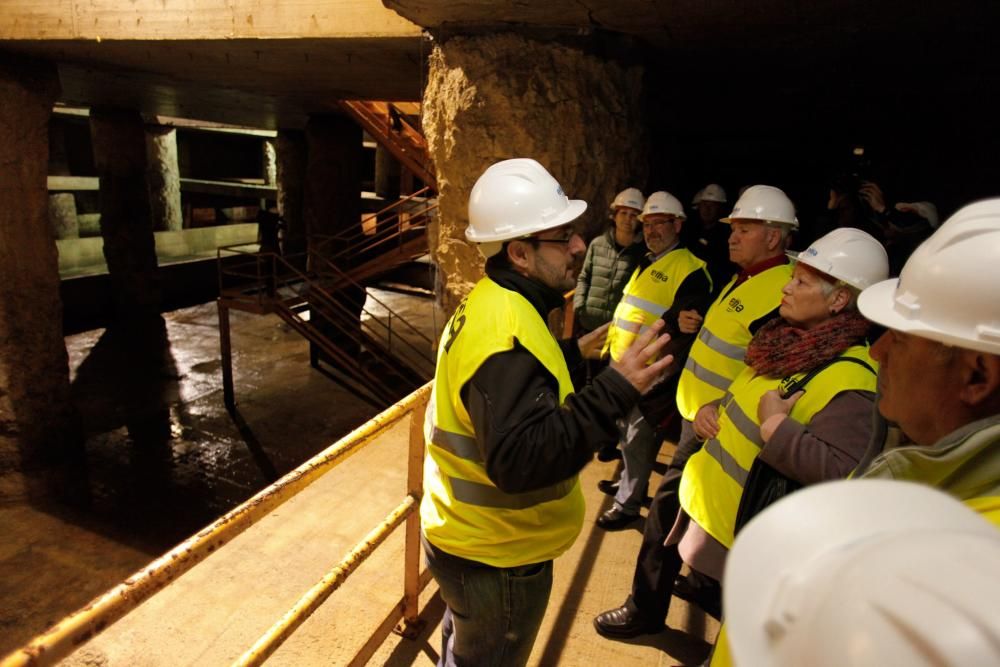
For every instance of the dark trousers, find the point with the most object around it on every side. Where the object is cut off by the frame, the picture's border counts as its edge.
(657, 566)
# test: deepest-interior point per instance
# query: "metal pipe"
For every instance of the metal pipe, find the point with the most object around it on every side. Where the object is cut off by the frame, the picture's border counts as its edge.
(269, 642)
(79, 627)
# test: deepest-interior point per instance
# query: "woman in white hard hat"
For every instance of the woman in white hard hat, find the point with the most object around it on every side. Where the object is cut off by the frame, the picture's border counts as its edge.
(807, 392)
(611, 258)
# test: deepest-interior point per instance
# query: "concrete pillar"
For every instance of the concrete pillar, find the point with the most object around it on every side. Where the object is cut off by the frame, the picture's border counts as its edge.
(119, 143)
(163, 178)
(333, 204)
(387, 173)
(269, 158)
(577, 114)
(36, 418)
(333, 174)
(291, 180)
(62, 216)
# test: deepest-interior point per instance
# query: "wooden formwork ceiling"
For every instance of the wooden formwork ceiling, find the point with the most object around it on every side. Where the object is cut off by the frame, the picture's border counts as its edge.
(249, 62)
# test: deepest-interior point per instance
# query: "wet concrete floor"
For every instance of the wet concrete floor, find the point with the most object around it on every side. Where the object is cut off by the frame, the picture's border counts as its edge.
(163, 457)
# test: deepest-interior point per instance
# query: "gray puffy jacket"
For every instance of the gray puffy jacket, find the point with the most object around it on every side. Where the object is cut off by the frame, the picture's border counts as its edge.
(606, 268)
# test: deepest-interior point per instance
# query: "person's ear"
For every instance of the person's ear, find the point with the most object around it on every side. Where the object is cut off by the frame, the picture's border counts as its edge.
(839, 300)
(773, 238)
(980, 378)
(517, 253)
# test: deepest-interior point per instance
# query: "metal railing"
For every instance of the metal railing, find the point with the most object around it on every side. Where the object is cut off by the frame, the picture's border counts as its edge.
(78, 628)
(391, 128)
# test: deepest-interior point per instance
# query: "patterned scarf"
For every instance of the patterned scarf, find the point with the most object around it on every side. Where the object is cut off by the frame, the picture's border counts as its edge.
(780, 349)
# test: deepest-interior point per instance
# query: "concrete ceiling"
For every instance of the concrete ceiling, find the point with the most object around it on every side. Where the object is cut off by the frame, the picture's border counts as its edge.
(270, 64)
(259, 83)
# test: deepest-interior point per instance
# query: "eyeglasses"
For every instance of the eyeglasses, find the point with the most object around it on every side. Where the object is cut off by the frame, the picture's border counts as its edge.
(563, 241)
(658, 223)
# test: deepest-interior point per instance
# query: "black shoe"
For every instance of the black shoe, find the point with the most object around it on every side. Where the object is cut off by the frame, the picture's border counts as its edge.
(608, 486)
(623, 623)
(701, 591)
(606, 454)
(615, 519)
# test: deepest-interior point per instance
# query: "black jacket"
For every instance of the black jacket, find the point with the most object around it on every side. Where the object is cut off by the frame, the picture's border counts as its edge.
(527, 439)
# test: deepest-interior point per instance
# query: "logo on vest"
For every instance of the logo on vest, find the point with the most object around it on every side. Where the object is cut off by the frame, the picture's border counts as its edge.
(735, 304)
(659, 276)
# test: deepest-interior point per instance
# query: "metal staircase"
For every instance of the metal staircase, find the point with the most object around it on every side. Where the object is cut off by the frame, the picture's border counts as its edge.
(390, 125)
(379, 356)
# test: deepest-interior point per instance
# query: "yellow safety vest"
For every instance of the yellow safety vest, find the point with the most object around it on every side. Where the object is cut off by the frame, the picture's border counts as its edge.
(462, 511)
(648, 294)
(716, 356)
(714, 477)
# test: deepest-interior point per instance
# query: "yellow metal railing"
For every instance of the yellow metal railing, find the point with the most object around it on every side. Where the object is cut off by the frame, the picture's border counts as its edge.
(76, 629)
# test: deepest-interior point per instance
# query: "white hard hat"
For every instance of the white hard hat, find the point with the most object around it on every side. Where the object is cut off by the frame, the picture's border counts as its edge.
(847, 254)
(662, 202)
(630, 197)
(697, 197)
(864, 573)
(713, 192)
(949, 290)
(516, 198)
(765, 203)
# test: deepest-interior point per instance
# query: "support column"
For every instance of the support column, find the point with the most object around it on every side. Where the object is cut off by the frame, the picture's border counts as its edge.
(62, 216)
(120, 155)
(163, 178)
(37, 424)
(387, 173)
(577, 114)
(291, 179)
(333, 174)
(332, 205)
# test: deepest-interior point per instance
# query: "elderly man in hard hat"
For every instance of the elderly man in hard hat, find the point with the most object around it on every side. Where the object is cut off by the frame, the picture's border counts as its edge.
(669, 280)
(940, 376)
(506, 434)
(806, 393)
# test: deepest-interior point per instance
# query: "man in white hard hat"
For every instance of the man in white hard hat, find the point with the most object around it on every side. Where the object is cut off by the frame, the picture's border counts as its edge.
(708, 238)
(669, 279)
(940, 361)
(506, 434)
(760, 223)
(850, 573)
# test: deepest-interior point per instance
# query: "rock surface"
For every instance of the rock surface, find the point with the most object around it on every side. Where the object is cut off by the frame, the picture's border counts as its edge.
(494, 97)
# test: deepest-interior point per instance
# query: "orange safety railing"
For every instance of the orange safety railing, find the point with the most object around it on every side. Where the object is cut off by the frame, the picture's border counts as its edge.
(76, 629)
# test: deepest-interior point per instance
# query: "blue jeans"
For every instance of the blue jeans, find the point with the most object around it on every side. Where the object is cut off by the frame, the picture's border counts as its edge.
(493, 614)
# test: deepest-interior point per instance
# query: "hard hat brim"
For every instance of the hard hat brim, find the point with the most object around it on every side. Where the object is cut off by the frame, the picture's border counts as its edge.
(876, 305)
(574, 209)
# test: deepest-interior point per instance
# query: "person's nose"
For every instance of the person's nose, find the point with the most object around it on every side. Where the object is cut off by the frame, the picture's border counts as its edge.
(879, 348)
(576, 245)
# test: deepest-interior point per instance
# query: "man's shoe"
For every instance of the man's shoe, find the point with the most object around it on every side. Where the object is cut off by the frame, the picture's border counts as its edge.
(615, 519)
(608, 486)
(623, 623)
(606, 454)
(700, 591)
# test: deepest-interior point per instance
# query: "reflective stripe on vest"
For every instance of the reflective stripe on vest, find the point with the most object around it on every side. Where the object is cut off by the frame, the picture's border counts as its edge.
(714, 477)
(720, 382)
(717, 353)
(649, 293)
(462, 511)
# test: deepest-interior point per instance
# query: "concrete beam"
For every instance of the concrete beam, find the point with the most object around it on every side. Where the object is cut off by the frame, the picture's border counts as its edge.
(199, 19)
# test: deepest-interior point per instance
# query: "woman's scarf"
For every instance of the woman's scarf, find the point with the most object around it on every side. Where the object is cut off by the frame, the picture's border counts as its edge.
(780, 349)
